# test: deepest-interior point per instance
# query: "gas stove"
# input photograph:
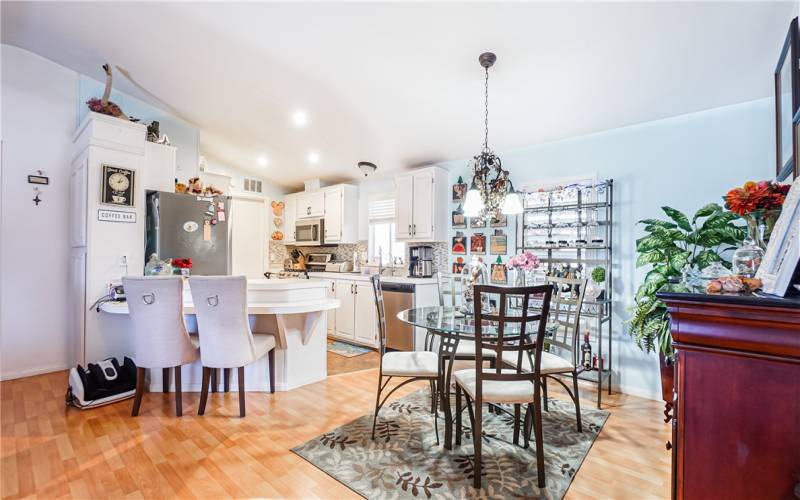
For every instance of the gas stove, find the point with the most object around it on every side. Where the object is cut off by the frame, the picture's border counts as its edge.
(282, 275)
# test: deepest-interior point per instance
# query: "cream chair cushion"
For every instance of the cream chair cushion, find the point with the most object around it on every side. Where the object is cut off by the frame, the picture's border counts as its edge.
(550, 363)
(496, 391)
(467, 348)
(263, 343)
(410, 364)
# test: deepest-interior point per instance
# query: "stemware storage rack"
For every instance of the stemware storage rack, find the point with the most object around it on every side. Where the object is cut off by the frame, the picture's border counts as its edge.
(572, 226)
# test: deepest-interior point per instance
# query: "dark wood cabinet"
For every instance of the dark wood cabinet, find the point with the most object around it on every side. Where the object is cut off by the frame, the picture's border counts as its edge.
(737, 396)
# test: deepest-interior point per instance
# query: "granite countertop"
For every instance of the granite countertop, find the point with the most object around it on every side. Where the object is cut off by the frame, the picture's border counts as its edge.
(698, 294)
(366, 277)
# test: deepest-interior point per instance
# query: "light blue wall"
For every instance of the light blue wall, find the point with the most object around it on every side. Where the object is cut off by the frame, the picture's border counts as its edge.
(182, 135)
(684, 162)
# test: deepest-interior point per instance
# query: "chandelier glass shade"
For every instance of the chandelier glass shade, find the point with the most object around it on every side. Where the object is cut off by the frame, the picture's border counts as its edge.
(491, 192)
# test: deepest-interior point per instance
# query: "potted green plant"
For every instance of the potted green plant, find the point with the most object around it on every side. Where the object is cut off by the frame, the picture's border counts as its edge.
(667, 248)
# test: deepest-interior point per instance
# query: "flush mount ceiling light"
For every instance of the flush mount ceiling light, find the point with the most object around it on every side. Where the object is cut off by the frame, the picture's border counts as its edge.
(491, 192)
(313, 158)
(299, 118)
(367, 167)
(262, 161)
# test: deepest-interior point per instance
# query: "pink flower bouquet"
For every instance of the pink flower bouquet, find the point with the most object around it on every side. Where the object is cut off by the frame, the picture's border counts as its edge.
(526, 261)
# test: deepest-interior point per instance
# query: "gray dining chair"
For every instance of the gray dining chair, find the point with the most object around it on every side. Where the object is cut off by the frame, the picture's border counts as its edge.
(410, 365)
(451, 294)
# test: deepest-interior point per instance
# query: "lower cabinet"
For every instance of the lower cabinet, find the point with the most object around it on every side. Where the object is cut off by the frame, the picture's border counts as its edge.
(356, 319)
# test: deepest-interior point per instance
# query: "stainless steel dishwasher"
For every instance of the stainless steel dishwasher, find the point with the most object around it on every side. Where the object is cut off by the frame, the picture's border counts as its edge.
(398, 297)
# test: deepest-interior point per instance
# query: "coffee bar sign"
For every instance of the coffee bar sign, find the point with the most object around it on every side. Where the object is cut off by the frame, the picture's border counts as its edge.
(104, 215)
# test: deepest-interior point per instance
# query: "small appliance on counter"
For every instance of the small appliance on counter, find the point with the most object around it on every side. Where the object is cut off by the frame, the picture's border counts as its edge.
(296, 262)
(420, 262)
(344, 266)
(318, 261)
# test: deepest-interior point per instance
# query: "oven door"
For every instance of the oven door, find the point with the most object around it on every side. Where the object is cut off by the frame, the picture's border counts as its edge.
(309, 232)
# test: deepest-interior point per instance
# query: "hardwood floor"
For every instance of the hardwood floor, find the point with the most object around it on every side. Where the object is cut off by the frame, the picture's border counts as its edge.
(50, 451)
(342, 364)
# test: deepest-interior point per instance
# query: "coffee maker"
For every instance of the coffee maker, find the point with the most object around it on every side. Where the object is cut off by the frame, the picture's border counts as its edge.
(420, 262)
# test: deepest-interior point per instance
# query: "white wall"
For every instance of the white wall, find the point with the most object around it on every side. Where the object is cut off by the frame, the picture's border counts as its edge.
(684, 162)
(39, 113)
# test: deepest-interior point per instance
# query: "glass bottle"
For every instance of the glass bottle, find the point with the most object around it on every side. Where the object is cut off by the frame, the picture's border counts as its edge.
(586, 352)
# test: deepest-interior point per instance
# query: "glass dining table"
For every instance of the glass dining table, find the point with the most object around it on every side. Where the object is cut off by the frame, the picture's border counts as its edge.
(450, 326)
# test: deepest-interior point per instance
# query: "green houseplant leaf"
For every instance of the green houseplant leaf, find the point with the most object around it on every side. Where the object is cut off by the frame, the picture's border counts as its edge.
(668, 247)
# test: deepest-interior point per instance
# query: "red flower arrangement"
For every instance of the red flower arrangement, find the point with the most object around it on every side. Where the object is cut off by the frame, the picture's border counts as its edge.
(182, 263)
(763, 195)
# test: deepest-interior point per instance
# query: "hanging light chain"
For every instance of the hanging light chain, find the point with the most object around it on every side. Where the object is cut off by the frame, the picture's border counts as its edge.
(486, 111)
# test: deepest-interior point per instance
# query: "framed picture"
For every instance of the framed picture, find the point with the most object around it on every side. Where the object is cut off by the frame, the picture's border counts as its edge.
(117, 186)
(780, 263)
(787, 101)
(477, 244)
(477, 222)
(498, 275)
(458, 265)
(500, 221)
(796, 145)
(459, 191)
(459, 246)
(498, 243)
(459, 220)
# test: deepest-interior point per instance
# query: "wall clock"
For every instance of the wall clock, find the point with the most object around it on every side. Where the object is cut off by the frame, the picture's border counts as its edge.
(117, 186)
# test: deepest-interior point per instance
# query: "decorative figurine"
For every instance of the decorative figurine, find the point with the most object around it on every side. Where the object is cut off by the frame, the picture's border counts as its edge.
(103, 105)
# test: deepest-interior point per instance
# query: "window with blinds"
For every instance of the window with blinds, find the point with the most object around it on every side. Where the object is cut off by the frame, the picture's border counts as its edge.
(381, 209)
(382, 231)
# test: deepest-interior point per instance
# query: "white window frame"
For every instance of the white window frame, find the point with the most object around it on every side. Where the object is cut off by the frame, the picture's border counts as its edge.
(372, 222)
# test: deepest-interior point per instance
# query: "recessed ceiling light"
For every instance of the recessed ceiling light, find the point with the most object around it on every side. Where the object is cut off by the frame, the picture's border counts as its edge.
(313, 158)
(262, 161)
(299, 118)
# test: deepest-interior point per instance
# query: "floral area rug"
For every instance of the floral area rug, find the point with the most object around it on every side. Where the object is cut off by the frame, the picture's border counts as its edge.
(404, 461)
(345, 349)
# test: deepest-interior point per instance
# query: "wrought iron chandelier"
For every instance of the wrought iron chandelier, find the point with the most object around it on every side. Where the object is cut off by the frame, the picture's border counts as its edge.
(491, 192)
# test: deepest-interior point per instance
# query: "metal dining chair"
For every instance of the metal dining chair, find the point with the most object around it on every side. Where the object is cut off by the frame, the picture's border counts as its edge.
(560, 355)
(160, 337)
(510, 385)
(411, 365)
(451, 294)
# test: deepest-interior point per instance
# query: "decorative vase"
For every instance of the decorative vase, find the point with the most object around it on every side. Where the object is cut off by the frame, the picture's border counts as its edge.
(747, 258)
(185, 271)
(516, 277)
(474, 273)
(760, 224)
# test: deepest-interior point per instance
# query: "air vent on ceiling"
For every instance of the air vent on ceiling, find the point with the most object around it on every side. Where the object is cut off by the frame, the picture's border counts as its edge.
(252, 185)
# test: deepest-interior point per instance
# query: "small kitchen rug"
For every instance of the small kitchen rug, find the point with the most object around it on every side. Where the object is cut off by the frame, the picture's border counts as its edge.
(346, 350)
(405, 462)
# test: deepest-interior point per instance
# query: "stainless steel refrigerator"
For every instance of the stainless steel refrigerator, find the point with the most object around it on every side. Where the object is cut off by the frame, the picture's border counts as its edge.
(175, 229)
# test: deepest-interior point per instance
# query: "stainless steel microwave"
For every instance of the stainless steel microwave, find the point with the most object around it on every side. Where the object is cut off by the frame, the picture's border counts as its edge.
(309, 232)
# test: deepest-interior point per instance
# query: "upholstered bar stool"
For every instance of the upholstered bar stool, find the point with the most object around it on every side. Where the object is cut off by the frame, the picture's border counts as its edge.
(220, 303)
(160, 338)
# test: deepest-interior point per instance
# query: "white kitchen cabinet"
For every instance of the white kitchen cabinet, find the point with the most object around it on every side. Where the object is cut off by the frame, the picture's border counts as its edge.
(331, 312)
(159, 167)
(366, 326)
(421, 205)
(310, 204)
(404, 201)
(345, 314)
(341, 214)
(356, 319)
(77, 202)
(289, 217)
(249, 247)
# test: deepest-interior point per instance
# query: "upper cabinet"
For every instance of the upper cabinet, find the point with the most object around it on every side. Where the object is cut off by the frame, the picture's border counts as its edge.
(289, 217)
(337, 205)
(310, 204)
(341, 214)
(421, 206)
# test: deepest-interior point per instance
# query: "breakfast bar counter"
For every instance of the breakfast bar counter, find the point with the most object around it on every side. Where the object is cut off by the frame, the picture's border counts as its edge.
(293, 310)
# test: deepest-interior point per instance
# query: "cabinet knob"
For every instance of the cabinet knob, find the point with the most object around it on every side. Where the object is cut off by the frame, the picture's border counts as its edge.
(414, 229)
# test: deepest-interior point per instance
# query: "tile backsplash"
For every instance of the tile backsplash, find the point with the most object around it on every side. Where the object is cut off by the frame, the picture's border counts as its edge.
(278, 252)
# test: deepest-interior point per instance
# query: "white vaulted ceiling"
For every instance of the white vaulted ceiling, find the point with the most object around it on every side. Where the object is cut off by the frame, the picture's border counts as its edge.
(399, 84)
